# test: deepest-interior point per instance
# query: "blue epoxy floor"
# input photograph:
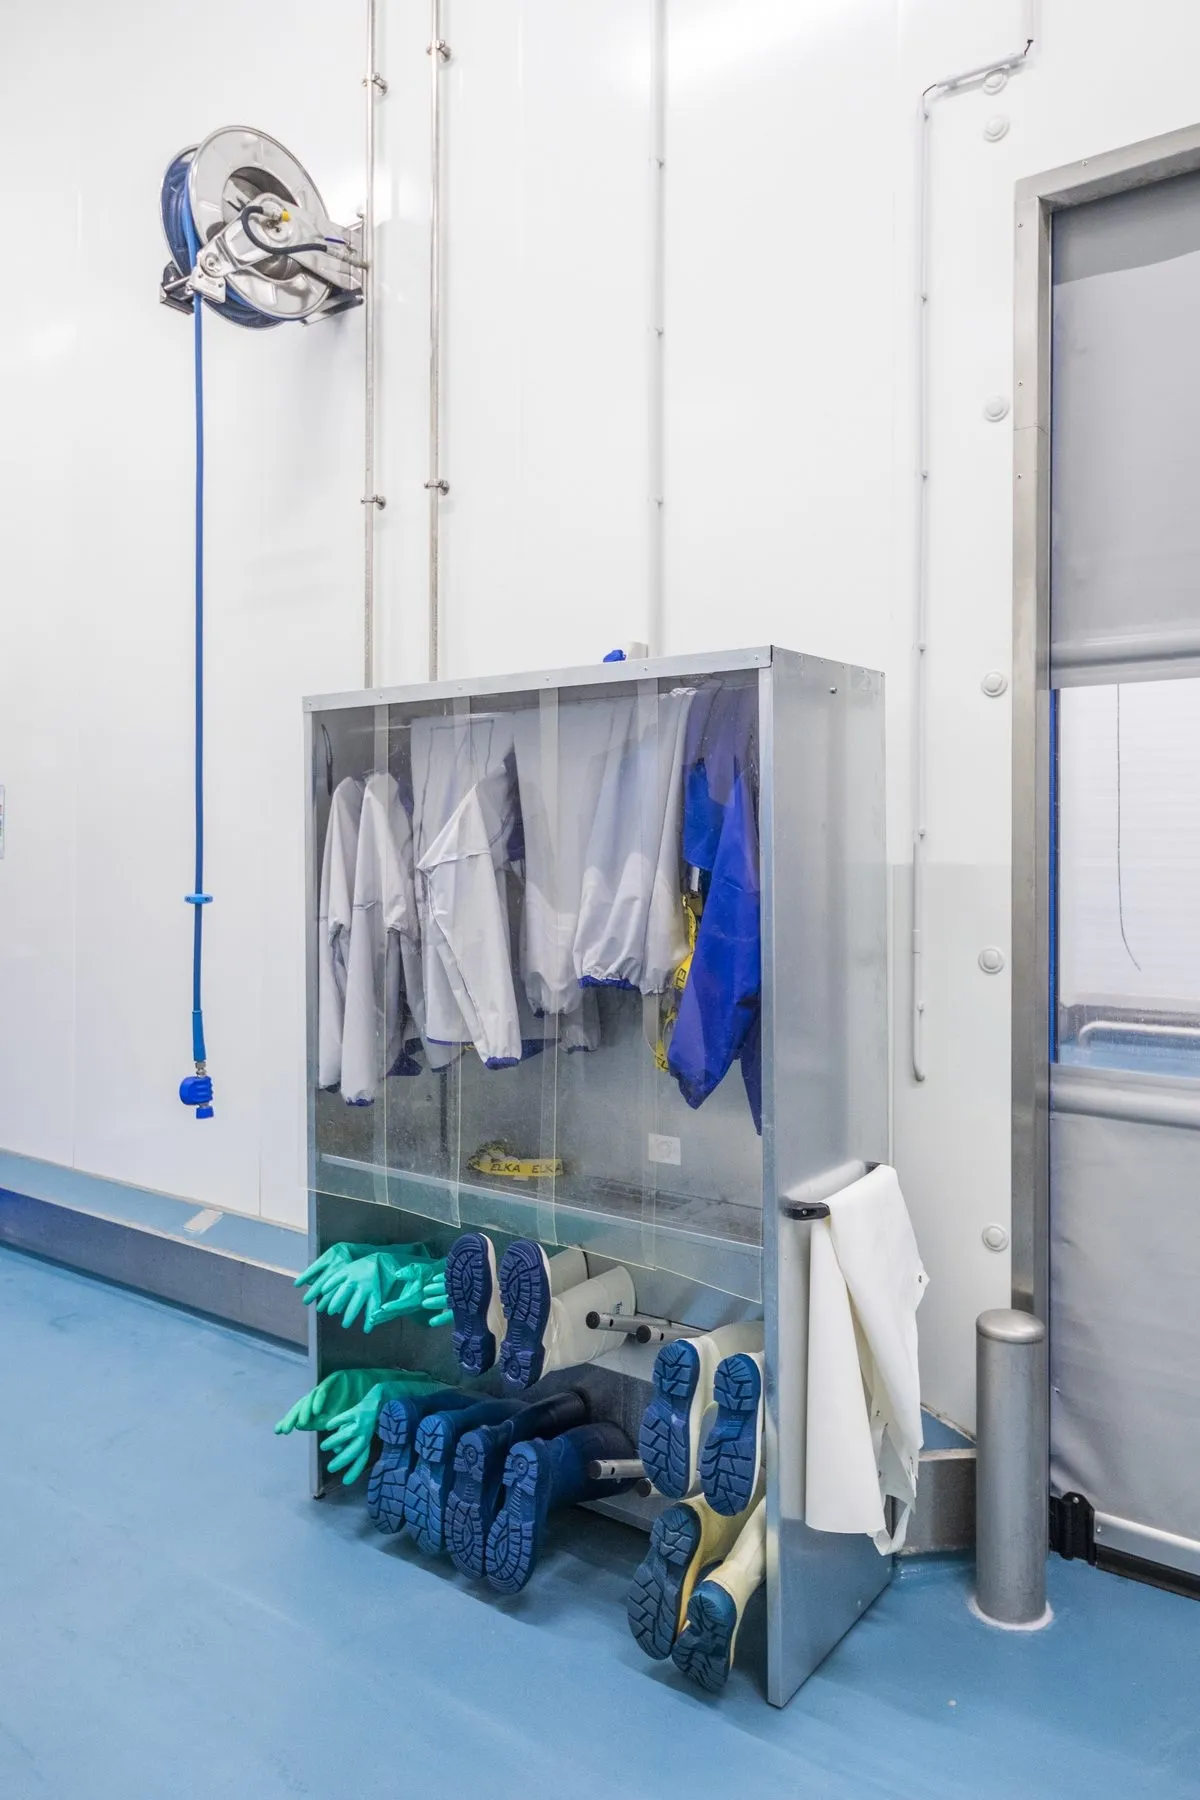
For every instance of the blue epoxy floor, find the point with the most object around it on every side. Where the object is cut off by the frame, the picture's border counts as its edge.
(176, 1618)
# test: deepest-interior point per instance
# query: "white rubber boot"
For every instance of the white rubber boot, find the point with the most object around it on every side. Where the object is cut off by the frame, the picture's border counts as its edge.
(547, 1329)
(672, 1426)
(566, 1269)
(704, 1649)
(685, 1540)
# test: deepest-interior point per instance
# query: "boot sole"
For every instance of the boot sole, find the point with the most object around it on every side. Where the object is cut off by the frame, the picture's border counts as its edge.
(474, 1503)
(655, 1604)
(470, 1286)
(429, 1485)
(732, 1454)
(387, 1488)
(665, 1440)
(515, 1538)
(704, 1649)
(525, 1296)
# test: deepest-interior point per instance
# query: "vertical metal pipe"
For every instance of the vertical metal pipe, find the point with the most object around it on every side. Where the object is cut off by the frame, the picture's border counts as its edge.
(374, 85)
(439, 52)
(655, 611)
(1012, 1492)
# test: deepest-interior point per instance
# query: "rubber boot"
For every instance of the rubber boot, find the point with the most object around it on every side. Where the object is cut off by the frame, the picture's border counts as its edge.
(538, 1477)
(473, 1290)
(429, 1485)
(672, 1426)
(704, 1649)
(731, 1460)
(479, 1472)
(546, 1329)
(397, 1428)
(685, 1541)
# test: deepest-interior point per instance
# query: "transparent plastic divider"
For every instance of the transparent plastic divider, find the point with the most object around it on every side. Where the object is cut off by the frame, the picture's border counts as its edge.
(555, 799)
(344, 758)
(418, 1154)
(652, 728)
(371, 918)
(508, 1144)
(704, 1192)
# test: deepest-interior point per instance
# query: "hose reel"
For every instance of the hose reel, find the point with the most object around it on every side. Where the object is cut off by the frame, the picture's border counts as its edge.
(249, 235)
(248, 231)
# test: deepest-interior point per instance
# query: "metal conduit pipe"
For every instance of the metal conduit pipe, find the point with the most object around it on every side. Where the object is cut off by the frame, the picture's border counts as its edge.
(937, 90)
(436, 486)
(374, 85)
(655, 612)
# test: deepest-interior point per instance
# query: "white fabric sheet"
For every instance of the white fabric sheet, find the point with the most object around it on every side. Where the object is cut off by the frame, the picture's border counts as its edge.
(864, 1391)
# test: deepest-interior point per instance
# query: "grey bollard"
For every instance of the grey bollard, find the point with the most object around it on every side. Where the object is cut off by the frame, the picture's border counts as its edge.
(1011, 1496)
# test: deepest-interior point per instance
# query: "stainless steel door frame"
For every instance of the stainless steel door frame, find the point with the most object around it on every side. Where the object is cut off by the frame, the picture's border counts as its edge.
(1037, 200)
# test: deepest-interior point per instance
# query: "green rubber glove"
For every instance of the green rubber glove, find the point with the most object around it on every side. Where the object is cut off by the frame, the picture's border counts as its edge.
(384, 1286)
(352, 1431)
(418, 1287)
(435, 1301)
(323, 1277)
(345, 1387)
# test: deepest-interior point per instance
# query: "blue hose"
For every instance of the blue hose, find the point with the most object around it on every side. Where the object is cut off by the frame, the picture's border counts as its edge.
(196, 1090)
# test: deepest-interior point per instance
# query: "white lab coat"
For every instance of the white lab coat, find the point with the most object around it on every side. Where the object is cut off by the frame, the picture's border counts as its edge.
(383, 968)
(464, 817)
(465, 882)
(631, 929)
(561, 754)
(864, 1391)
(335, 908)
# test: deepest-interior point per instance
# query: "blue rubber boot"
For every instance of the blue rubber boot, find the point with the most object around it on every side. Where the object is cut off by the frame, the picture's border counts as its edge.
(473, 1290)
(397, 1429)
(538, 1477)
(731, 1459)
(479, 1472)
(432, 1476)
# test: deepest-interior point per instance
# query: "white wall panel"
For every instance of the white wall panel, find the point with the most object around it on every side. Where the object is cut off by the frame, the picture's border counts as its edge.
(42, 576)
(546, 271)
(780, 325)
(103, 907)
(790, 283)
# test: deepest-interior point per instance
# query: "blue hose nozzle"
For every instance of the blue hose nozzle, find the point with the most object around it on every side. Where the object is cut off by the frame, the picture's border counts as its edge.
(197, 1091)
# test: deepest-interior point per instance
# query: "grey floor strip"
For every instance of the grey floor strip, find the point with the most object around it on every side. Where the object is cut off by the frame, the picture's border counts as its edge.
(192, 1272)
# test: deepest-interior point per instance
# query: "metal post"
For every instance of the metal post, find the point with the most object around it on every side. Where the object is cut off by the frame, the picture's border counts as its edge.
(656, 608)
(436, 486)
(375, 85)
(1011, 1505)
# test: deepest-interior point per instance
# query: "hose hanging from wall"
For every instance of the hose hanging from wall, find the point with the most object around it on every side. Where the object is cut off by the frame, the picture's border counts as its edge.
(197, 1090)
(248, 233)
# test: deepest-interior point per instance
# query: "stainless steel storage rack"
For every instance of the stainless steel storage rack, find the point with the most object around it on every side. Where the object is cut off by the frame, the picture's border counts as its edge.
(700, 1207)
